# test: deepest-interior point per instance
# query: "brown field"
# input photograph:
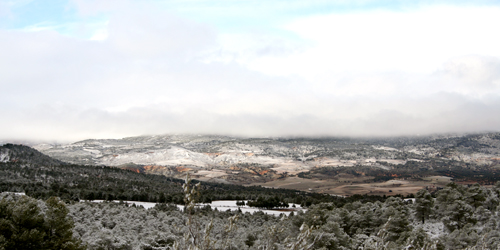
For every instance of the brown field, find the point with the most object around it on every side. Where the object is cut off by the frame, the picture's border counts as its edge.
(438, 180)
(347, 186)
(391, 187)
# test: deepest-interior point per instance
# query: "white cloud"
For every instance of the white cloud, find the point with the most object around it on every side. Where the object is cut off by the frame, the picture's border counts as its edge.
(151, 71)
(411, 41)
(474, 75)
(382, 118)
(99, 35)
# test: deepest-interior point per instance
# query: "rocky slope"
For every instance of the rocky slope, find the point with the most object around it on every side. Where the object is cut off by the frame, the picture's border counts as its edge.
(211, 156)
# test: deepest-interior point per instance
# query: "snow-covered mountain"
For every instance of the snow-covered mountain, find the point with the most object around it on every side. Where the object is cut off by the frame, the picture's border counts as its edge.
(212, 153)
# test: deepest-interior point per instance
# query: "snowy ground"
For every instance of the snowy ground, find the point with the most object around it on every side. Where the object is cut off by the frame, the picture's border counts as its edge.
(231, 205)
(224, 206)
(434, 228)
(146, 205)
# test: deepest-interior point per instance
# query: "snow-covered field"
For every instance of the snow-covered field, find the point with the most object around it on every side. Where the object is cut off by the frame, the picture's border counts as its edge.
(146, 205)
(231, 205)
(224, 206)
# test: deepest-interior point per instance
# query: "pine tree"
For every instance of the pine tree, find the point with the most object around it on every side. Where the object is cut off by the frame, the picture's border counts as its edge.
(423, 205)
(23, 225)
(59, 226)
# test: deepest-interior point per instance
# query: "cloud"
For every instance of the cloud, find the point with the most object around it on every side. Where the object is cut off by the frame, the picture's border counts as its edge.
(152, 72)
(417, 40)
(440, 113)
(473, 74)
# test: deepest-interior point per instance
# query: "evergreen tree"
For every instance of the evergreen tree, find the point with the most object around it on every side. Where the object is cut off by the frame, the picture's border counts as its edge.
(476, 195)
(59, 226)
(454, 209)
(23, 225)
(423, 205)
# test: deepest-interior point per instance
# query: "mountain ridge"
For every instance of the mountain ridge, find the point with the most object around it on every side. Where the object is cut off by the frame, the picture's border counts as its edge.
(273, 161)
(26, 155)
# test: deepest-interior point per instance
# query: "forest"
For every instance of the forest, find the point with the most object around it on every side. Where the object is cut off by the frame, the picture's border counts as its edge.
(458, 217)
(54, 213)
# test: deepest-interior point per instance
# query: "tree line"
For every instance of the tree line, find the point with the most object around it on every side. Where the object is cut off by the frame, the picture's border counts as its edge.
(456, 217)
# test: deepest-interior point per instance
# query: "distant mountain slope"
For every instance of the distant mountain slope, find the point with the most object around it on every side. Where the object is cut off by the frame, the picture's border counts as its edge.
(321, 164)
(26, 155)
(24, 169)
(283, 154)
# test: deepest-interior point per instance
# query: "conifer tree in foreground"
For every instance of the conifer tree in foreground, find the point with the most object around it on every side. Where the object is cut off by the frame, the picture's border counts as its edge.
(24, 225)
(423, 205)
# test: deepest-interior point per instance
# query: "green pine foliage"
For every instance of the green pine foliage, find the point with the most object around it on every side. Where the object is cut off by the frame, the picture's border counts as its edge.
(423, 205)
(25, 225)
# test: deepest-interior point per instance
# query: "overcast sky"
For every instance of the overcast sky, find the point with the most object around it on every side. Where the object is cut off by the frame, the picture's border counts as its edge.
(79, 69)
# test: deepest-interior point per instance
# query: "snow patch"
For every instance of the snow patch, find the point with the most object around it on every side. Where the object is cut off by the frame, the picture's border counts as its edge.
(395, 162)
(222, 206)
(4, 157)
(433, 229)
(385, 148)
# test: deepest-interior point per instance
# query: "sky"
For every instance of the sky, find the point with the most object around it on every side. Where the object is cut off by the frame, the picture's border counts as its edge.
(80, 69)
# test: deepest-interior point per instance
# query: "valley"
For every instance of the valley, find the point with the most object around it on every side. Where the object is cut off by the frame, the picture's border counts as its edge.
(339, 166)
(348, 193)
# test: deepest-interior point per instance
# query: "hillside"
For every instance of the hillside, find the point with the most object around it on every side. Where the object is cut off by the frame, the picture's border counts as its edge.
(327, 165)
(24, 169)
(26, 156)
(210, 151)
